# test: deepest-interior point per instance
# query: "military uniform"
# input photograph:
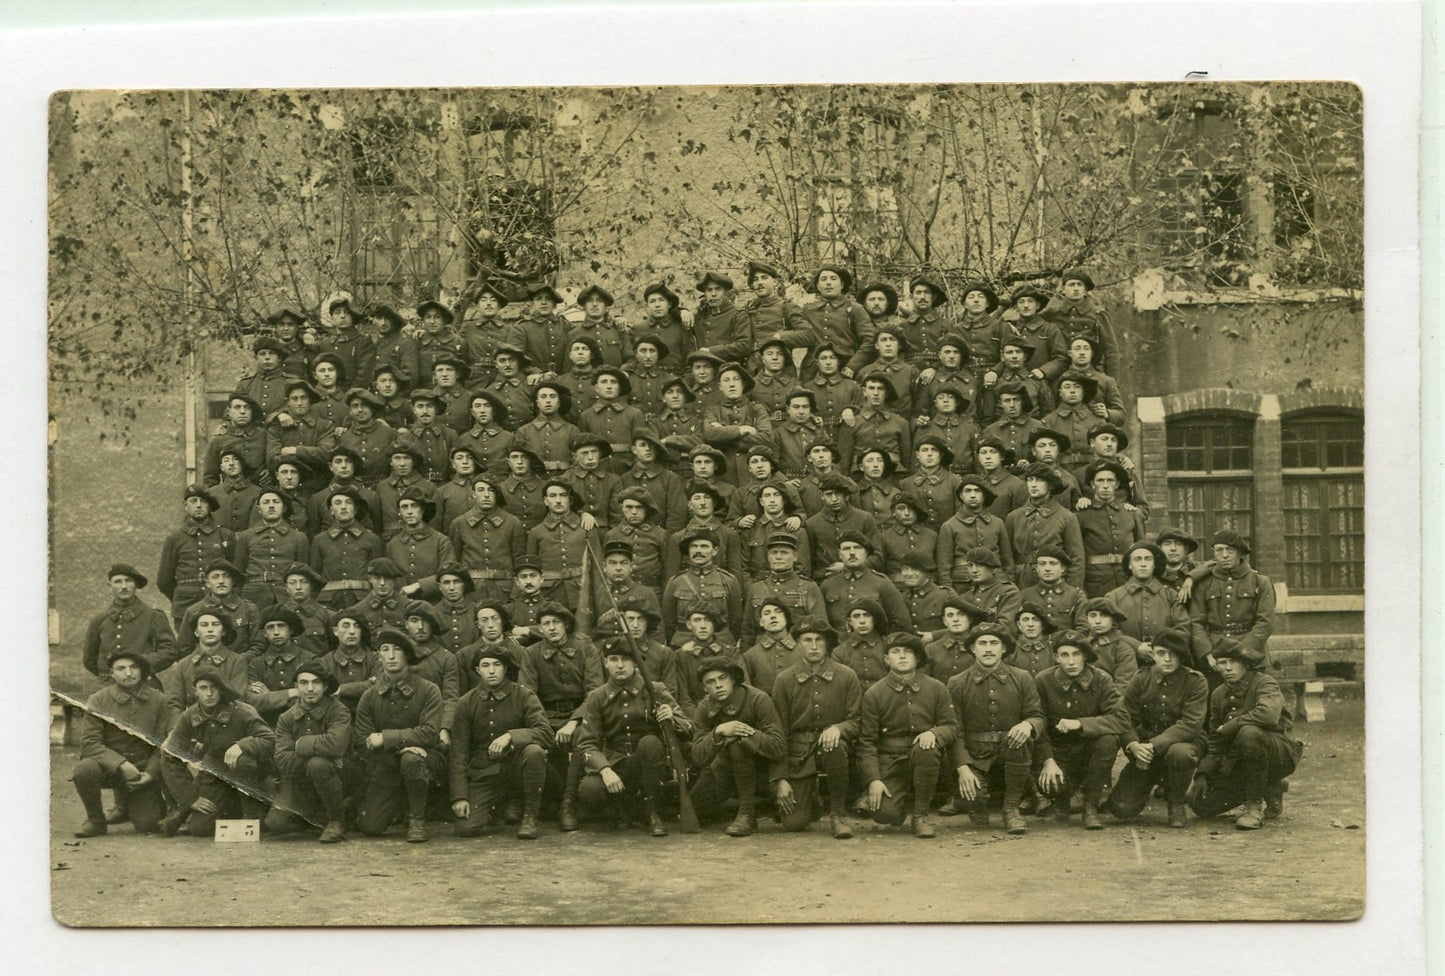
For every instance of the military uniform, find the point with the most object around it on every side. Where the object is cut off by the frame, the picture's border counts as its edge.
(713, 587)
(864, 655)
(966, 531)
(834, 394)
(340, 557)
(1062, 604)
(484, 715)
(233, 668)
(734, 766)
(895, 711)
(275, 667)
(725, 332)
(1035, 527)
(249, 442)
(120, 727)
(317, 620)
(241, 613)
(647, 384)
(619, 732)
(989, 704)
(524, 497)
(311, 744)
(202, 738)
(809, 701)
(381, 611)
(663, 487)
(267, 388)
(1167, 712)
(796, 592)
(357, 353)
(771, 655)
(615, 421)
(419, 552)
(898, 540)
(1009, 492)
(1250, 748)
(998, 597)
(460, 631)
(925, 605)
(388, 496)
(845, 324)
(879, 429)
(650, 545)
(1086, 756)
(544, 340)
(399, 351)
(435, 441)
(755, 548)
(132, 627)
(842, 590)
(1237, 603)
(238, 500)
(947, 656)
(826, 528)
(1108, 530)
(407, 711)
(263, 552)
(1148, 607)
(318, 509)
(559, 542)
(433, 347)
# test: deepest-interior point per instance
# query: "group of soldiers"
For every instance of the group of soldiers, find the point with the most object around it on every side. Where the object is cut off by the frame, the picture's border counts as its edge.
(847, 560)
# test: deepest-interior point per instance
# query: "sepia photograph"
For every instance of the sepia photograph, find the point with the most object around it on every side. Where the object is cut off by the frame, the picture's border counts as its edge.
(732, 504)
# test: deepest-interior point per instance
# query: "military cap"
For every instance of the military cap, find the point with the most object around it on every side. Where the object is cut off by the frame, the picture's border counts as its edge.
(1179, 535)
(774, 601)
(1093, 343)
(784, 539)
(1176, 642)
(384, 567)
(919, 559)
(889, 293)
(127, 654)
(578, 502)
(353, 615)
(714, 278)
(285, 615)
(703, 356)
(640, 495)
(1089, 384)
(911, 500)
(526, 562)
(564, 395)
(543, 289)
(1028, 290)
(305, 387)
(499, 409)
(707, 610)
(1077, 274)
(425, 611)
(554, 609)
(982, 556)
(618, 547)
(976, 613)
(360, 505)
(890, 393)
(1153, 550)
(620, 646)
(960, 398)
(1098, 429)
(843, 274)
(208, 673)
(982, 287)
(463, 368)
(1109, 464)
(434, 306)
(653, 339)
(624, 382)
(343, 451)
(228, 629)
(871, 607)
(234, 451)
(365, 396)
(912, 642)
(957, 341)
(774, 341)
(487, 288)
(816, 625)
(832, 449)
(316, 580)
(717, 662)
(1038, 611)
(857, 538)
(498, 652)
(940, 293)
(513, 350)
(387, 314)
(414, 493)
(1074, 638)
(755, 268)
(890, 466)
(266, 342)
(426, 393)
(1045, 473)
(636, 605)
(1018, 389)
(896, 331)
(1005, 452)
(593, 440)
(762, 451)
(1018, 342)
(596, 291)
(257, 414)
(1231, 538)
(344, 301)
(391, 635)
(315, 668)
(228, 567)
(677, 381)
(660, 288)
(974, 481)
(590, 343)
(285, 314)
(660, 453)
(460, 572)
(500, 606)
(747, 377)
(799, 391)
(1048, 433)
(694, 534)
(1229, 649)
(945, 452)
(409, 447)
(833, 481)
(1103, 604)
(334, 360)
(1054, 552)
(997, 628)
(702, 487)
(126, 569)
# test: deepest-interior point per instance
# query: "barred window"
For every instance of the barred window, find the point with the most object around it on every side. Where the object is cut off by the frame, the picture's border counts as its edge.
(1210, 460)
(1323, 456)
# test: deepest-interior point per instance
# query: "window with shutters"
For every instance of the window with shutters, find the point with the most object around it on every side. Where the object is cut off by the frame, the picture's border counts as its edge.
(1210, 460)
(396, 232)
(1323, 458)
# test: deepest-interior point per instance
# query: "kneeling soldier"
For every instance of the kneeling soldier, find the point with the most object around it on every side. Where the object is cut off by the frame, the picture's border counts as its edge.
(1250, 748)
(620, 744)
(1085, 716)
(907, 723)
(313, 738)
(739, 737)
(500, 734)
(999, 717)
(818, 701)
(397, 723)
(123, 722)
(217, 731)
(1165, 738)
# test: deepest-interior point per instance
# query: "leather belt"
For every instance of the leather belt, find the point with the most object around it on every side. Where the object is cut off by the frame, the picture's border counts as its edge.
(345, 584)
(564, 574)
(1109, 559)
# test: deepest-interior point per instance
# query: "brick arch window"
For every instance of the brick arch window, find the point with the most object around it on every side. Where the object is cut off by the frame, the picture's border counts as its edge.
(1322, 454)
(1210, 460)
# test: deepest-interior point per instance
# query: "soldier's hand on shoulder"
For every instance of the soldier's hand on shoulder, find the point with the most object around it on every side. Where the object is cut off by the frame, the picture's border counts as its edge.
(792, 523)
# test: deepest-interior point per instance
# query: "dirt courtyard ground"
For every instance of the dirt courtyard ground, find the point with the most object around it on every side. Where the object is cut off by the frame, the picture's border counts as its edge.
(1310, 864)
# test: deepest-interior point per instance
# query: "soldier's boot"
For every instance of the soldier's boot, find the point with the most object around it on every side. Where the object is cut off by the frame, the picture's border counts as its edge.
(842, 830)
(332, 832)
(953, 807)
(93, 828)
(416, 830)
(1251, 816)
(527, 827)
(1030, 802)
(1091, 812)
(838, 815)
(513, 812)
(746, 821)
(923, 823)
(567, 814)
(119, 813)
(978, 809)
(654, 821)
(172, 823)
(1013, 820)
(1177, 816)
(1274, 799)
